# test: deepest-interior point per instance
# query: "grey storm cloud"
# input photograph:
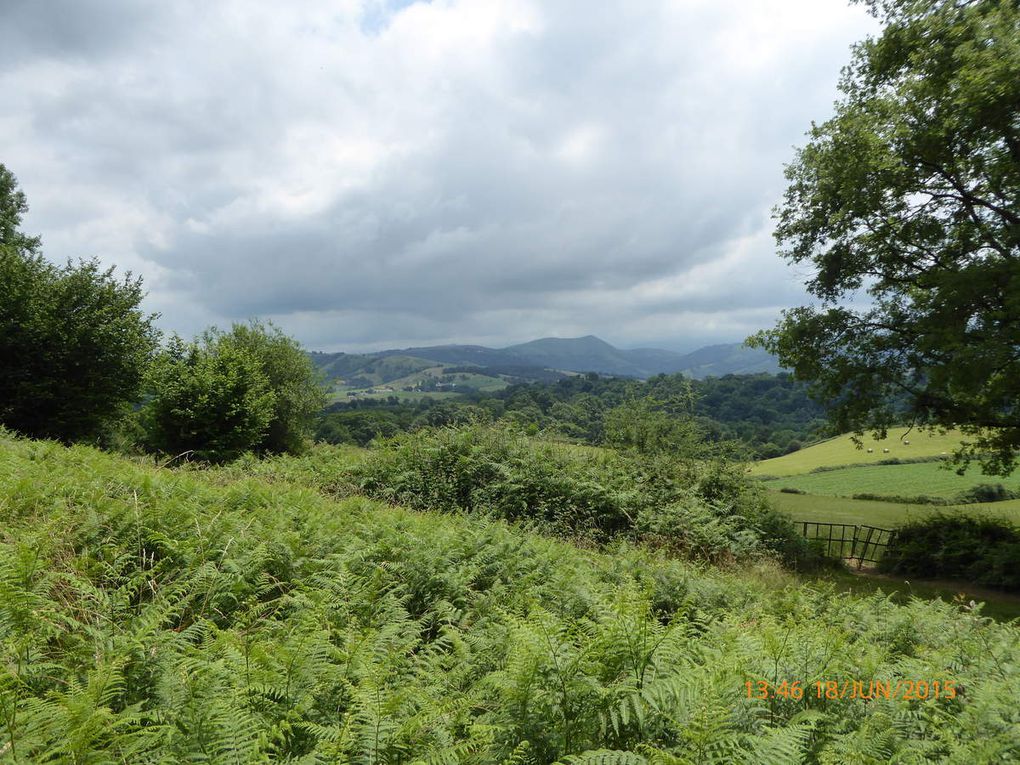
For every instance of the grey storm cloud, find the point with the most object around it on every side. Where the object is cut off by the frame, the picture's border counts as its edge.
(369, 173)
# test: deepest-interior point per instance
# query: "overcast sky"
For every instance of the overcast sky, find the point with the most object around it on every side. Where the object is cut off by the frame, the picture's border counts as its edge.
(384, 173)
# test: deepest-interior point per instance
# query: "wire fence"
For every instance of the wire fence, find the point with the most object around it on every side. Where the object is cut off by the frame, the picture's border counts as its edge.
(854, 543)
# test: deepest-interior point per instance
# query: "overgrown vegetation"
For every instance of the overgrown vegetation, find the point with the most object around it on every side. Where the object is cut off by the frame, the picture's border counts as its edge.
(985, 551)
(704, 510)
(157, 616)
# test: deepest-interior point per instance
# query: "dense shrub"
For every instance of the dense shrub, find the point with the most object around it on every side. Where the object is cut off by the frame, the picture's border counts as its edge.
(912, 499)
(211, 402)
(985, 551)
(290, 374)
(987, 492)
(250, 389)
(704, 509)
(984, 492)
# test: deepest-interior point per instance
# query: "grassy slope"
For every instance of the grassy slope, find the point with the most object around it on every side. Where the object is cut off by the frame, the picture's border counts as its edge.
(806, 507)
(841, 451)
(921, 478)
(377, 370)
(171, 616)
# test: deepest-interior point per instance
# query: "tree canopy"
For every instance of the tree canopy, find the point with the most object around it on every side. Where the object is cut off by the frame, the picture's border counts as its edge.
(73, 340)
(225, 393)
(906, 203)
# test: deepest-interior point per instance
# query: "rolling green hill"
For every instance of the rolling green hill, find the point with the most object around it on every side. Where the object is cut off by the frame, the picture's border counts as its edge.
(586, 354)
(362, 371)
(842, 451)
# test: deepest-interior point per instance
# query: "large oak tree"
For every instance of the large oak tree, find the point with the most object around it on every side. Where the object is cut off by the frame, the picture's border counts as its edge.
(906, 205)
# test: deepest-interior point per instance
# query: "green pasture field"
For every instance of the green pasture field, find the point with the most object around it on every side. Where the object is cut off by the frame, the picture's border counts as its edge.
(807, 507)
(842, 451)
(909, 480)
(401, 395)
(484, 383)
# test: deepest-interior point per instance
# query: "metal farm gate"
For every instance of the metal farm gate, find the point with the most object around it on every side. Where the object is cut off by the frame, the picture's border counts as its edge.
(853, 543)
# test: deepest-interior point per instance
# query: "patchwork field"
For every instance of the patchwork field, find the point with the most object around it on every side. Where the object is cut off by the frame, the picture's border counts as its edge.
(844, 470)
(463, 380)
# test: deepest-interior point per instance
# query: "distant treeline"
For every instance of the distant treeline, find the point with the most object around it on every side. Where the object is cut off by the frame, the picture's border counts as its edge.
(767, 415)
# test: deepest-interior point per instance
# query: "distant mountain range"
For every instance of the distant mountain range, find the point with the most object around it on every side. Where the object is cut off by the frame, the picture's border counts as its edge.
(577, 354)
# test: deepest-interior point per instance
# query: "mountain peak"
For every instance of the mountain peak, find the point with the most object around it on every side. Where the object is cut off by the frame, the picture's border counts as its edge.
(565, 343)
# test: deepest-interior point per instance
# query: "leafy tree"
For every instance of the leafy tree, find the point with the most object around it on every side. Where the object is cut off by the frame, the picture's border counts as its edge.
(209, 399)
(291, 375)
(907, 202)
(73, 341)
(651, 426)
(250, 389)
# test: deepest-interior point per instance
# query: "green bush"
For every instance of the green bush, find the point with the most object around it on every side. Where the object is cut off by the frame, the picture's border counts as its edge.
(290, 374)
(986, 492)
(985, 551)
(915, 499)
(207, 400)
(250, 389)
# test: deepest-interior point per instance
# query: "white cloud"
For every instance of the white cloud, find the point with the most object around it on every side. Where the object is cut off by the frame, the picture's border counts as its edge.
(371, 173)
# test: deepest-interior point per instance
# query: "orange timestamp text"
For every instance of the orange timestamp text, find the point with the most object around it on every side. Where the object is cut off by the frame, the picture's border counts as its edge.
(919, 690)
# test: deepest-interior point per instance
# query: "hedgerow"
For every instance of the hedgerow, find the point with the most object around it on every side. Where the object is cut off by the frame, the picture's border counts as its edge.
(150, 615)
(985, 551)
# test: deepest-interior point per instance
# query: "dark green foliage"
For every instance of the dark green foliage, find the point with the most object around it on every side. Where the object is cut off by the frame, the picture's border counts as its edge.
(910, 193)
(362, 426)
(984, 551)
(706, 510)
(291, 376)
(208, 400)
(987, 492)
(168, 617)
(984, 492)
(914, 499)
(73, 341)
(250, 389)
(772, 414)
(768, 415)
